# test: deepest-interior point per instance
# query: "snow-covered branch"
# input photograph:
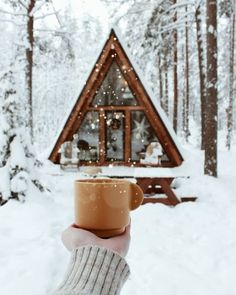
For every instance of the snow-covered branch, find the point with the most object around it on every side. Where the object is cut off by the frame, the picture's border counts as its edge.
(173, 27)
(132, 12)
(37, 8)
(198, 3)
(171, 9)
(45, 15)
(56, 14)
(11, 21)
(174, 7)
(50, 31)
(23, 4)
(11, 12)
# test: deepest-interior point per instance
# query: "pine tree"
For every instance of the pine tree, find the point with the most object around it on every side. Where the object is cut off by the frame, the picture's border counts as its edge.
(17, 159)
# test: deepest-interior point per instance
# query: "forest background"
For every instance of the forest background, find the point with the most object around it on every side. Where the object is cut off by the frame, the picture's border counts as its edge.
(185, 49)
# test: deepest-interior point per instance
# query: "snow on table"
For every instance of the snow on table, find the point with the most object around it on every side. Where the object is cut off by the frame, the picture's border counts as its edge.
(124, 171)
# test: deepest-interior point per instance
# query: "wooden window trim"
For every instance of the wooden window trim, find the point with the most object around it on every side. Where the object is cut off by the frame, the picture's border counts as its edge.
(127, 135)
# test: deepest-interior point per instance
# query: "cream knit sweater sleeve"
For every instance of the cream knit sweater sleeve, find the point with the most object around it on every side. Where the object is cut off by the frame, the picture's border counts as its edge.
(94, 270)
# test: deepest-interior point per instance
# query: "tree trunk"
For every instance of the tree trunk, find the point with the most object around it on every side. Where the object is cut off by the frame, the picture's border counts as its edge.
(202, 76)
(210, 167)
(186, 123)
(183, 91)
(229, 110)
(166, 101)
(160, 81)
(29, 66)
(175, 61)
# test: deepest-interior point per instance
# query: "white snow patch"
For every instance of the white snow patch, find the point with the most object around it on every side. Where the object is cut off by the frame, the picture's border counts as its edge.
(188, 249)
(19, 182)
(211, 29)
(5, 182)
(17, 154)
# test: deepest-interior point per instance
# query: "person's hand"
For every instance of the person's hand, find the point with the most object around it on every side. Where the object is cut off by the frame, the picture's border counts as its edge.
(75, 237)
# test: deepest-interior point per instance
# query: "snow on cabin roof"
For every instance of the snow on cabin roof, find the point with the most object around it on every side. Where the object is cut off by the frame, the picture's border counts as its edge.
(137, 70)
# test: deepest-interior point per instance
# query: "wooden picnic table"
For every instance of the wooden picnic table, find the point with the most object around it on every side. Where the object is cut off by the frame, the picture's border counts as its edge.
(153, 181)
(158, 185)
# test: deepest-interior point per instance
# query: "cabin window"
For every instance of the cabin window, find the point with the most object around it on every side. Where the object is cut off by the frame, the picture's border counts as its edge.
(115, 136)
(88, 137)
(114, 90)
(116, 129)
(142, 134)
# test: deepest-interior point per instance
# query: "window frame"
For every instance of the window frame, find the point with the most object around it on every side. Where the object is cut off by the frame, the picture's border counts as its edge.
(127, 110)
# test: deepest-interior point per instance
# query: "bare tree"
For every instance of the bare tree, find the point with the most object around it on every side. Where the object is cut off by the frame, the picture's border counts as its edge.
(186, 107)
(229, 109)
(160, 80)
(29, 65)
(210, 165)
(27, 10)
(202, 75)
(175, 71)
(166, 97)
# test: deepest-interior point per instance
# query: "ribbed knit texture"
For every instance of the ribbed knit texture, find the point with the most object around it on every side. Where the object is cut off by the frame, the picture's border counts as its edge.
(94, 270)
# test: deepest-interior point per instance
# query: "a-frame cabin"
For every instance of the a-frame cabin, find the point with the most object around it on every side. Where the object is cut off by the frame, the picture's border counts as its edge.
(115, 120)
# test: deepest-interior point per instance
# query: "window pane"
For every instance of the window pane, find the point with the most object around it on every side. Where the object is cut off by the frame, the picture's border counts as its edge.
(88, 137)
(145, 145)
(114, 136)
(114, 89)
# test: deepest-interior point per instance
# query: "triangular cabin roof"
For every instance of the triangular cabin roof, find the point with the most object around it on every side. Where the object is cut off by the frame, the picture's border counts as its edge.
(113, 51)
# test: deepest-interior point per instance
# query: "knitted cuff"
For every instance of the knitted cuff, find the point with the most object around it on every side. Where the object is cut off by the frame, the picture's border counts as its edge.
(94, 270)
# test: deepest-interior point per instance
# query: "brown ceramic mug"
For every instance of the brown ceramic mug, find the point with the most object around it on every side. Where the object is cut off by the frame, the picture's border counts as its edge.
(102, 206)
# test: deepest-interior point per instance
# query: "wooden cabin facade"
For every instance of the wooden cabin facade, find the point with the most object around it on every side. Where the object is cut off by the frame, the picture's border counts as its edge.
(114, 120)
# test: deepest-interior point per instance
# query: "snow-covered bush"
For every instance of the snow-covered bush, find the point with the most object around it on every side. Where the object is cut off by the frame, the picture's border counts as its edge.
(18, 164)
(18, 171)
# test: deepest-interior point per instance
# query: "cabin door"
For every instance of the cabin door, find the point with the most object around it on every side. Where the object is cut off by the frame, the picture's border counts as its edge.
(115, 146)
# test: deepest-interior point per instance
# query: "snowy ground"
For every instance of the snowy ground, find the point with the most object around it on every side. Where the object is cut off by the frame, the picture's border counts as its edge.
(186, 250)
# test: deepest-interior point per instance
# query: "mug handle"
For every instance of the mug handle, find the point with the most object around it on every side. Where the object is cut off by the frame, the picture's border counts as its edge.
(136, 196)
